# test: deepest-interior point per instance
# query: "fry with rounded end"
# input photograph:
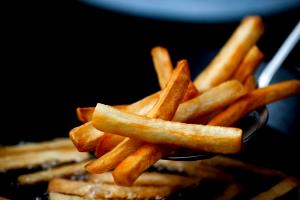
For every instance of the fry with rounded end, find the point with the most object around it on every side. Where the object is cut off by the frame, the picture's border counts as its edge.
(162, 64)
(258, 98)
(165, 108)
(233, 52)
(249, 64)
(198, 137)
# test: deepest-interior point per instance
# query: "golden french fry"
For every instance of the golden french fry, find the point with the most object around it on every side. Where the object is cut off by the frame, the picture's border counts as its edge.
(191, 92)
(162, 64)
(59, 196)
(33, 159)
(249, 64)
(85, 137)
(250, 83)
(198, 137)
(165, 108)
(91, 190)
(85, 114)
(106, 143)
(35, 146)
(228, 59)
(279, 189)
(46, 175)
(258, 98)
(213, 99)
(151, 179)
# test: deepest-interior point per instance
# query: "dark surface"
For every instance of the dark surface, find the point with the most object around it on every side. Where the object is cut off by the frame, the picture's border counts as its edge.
(57, 58)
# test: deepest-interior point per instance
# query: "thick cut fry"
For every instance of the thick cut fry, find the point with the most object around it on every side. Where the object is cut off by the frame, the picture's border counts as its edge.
(257, 98)
(199, 137)
(228, 59)
(213, 99)
(33, 159)
(85, 114)
(249, 64)
(151, 179)
(250, 83)
(106, 143)
(36, 146)
(191, 92)
(46, 175)
(279, 189)
(165, 108)
(162, 64)
(85, 137)
(90, 190)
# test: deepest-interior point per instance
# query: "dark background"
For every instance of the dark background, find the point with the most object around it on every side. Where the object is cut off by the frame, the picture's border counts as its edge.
(57, 58)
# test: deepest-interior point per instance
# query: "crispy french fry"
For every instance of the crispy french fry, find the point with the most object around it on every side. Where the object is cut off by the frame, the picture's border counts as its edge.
(228, 59)
(90, 190)
(249, 64)
(32, 159)
(162, 64)
(106, 143)
(85, 137)
(258, 98)
(279, 189)
(230, 191)
(46, 175)
(199, 137)
(151, 179)
(191, 92)
(35, 146)
(250, 83)
(165, 108)
(85, 114)
(213, 99)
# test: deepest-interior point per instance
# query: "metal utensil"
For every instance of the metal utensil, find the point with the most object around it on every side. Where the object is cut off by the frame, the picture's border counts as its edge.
(256, 119)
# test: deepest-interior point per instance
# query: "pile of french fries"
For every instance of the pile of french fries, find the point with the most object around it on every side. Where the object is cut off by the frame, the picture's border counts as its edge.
(197, 115)
(127, 140)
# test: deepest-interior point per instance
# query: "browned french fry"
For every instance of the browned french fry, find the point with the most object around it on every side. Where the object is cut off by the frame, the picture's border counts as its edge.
(106, 143)
(199, 137)
(257, 98)
(46, 175)
(228, 59)
(249, 64)
(32, 159)
(85, 114)
(150, 179)
(90, 190)
(191, 92)
(162, 64)
(85, 137)
(35, 146)
(250, 83)
(230, 191)
(279, 189)
(165, 108)
(209, 101)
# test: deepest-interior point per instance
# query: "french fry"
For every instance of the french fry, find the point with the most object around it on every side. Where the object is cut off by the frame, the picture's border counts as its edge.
(279, 189)
(162, 64)
(165, 108)
(85, 137)
(3, 198)
(35, 146)
(151, 179)
(32, 159)
(207, 102)
(249, 64)
(198, 137)
(46, 175)
(258, 98)
(230, 191)
(228, 59)
(59, 196)
(90, 190)
(85, 114)
(250, 83)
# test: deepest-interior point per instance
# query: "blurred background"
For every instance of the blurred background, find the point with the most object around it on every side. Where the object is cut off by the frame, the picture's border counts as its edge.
(58, 57)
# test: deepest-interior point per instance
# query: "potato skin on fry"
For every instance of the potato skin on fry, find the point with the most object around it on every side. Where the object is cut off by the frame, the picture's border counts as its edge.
(199, 137)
